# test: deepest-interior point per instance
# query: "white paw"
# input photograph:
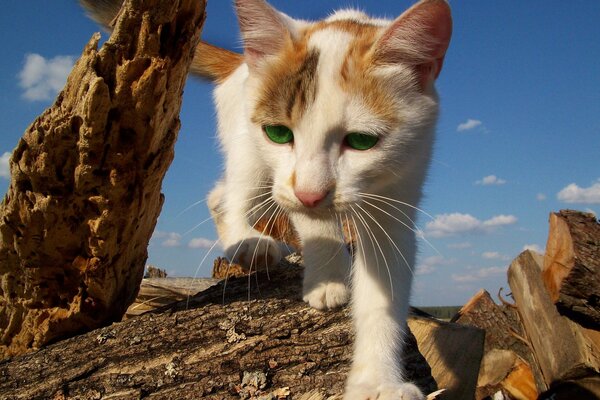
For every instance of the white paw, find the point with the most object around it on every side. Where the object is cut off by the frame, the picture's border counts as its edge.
(256, 252)
(326, 295)
(401, 391)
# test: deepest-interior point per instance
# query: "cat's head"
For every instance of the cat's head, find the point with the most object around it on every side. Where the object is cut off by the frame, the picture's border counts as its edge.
(345, 105)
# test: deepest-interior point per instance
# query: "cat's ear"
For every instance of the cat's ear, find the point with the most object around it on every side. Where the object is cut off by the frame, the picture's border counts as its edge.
(419, 37)
(264, 29)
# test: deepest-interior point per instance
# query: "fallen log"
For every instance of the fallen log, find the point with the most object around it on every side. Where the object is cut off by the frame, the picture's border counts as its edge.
(564, 349)
(86, 176)
(242, 338)
(572, 266)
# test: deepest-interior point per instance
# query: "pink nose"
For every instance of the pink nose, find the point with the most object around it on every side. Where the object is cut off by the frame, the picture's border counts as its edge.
(310, 199)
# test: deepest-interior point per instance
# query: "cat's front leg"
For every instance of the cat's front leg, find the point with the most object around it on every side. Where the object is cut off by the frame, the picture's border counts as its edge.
(235, 209)
(381, 281)
(326, 262)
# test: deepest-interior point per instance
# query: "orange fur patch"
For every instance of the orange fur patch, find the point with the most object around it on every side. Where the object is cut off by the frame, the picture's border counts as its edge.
(290, 80)
(214, 63)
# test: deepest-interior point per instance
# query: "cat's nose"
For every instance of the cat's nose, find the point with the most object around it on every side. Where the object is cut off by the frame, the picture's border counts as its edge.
(311, 199)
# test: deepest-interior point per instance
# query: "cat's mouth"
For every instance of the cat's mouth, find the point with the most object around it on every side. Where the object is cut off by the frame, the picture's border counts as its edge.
(315, 207)
(328, 207)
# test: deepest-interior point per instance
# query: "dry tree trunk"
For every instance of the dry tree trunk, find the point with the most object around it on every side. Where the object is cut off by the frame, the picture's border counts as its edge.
(86, 178)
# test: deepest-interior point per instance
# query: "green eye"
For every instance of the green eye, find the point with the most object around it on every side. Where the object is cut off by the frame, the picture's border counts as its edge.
(279, 134)
(361, 141)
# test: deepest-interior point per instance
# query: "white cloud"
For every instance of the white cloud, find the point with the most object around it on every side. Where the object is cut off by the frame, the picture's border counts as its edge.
(478, 275)
(455, 224)
(430, 264)
(201, 243)
(167, 239)
(468, 125)
(460, 246)
(575, 194)
(540, 197)
(491, 180)
(43, 78)
(534, 247)
(493, 255)
(500, 220)
(4, 165)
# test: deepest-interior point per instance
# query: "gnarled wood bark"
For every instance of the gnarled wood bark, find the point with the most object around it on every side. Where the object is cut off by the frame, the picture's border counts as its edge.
(86, 177)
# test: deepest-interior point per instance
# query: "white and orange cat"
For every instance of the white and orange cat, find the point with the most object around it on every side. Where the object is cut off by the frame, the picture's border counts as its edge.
(332, 122)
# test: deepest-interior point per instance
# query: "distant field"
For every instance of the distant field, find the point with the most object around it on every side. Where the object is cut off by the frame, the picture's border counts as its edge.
(445, 313)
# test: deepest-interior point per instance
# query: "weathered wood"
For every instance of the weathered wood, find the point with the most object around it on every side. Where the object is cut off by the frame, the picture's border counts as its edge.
(578, 389)
(86, 177)
(454, 353)
(503, 331)
(205, 349)
(563, 349)
(159, 292)
(503, 370)
(572, 266)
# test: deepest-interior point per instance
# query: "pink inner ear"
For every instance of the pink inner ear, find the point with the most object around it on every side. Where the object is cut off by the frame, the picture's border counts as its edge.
(263, 29)
(420, 36)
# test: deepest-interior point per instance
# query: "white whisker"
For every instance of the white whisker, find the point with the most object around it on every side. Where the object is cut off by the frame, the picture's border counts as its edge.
(418, 233)
(388, 237)
(399, 202)
(198, 269)
(381, 250)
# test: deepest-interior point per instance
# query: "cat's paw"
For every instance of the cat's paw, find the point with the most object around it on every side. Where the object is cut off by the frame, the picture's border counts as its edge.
(326, 295)
(256, 252)
(401, 391)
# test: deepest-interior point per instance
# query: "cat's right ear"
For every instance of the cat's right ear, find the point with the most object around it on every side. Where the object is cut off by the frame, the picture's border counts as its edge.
(265, 30)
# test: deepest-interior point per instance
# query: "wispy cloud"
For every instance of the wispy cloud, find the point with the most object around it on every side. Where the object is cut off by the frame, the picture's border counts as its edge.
(430, 264)
(575, 194)
(479, 274)
(167, 239)
(460, 246)
(491, 180)
(200, 243)
(540, 197)
(493, 255)
(534, 247)
(457, 224)
(4, 165)
(43, 78)
(468, 125)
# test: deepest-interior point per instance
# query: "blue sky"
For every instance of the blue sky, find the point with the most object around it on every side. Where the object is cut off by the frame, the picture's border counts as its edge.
(518, 137)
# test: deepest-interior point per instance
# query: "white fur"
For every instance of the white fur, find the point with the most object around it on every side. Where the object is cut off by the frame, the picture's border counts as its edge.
(385, 247)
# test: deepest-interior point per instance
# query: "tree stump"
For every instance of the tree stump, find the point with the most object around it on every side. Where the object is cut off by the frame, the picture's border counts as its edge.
(86, 178)
(572, 266)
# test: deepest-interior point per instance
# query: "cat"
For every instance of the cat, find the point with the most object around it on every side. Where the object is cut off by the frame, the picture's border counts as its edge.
(332, 123)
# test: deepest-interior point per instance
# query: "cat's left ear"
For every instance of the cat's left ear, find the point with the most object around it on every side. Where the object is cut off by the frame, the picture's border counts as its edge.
(264, 29)
(419, 37)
